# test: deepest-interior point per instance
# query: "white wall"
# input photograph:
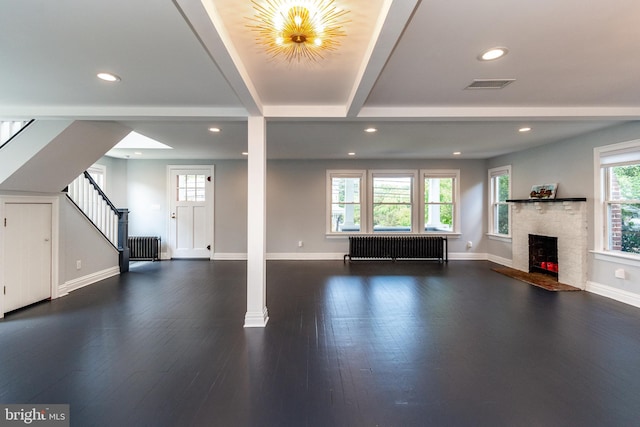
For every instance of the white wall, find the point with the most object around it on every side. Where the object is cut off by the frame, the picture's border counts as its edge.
(64, 157)
(570, 164)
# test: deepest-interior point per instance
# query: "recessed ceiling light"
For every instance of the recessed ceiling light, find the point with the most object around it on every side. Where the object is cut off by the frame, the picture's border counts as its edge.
(351, 154)
(493, 53)
(108, 77)
(524, 129)
(137, 153)
(457, 153)
(371, 130)
(214, 129)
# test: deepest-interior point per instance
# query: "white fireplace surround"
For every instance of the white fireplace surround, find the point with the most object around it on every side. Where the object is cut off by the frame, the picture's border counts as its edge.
(566, 220)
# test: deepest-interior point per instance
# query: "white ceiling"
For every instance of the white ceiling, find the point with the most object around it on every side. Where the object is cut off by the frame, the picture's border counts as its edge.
(188, 65)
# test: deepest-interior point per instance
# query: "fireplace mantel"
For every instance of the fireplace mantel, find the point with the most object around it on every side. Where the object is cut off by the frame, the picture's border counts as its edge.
(561, 200)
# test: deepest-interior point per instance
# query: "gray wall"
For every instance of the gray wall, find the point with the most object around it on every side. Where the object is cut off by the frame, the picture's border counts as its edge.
(296, 206)
(296, 193)
(79, 240)
(149, 210)
(116, 182)
(570, 164)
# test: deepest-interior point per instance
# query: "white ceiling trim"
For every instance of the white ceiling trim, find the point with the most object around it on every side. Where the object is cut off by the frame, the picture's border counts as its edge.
(207, 25)
(310, 111)
(560, 113)
(122, 113)
(394, 16)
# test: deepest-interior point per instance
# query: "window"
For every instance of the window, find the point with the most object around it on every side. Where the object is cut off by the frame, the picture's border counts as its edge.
(440, 195)
(392, 195)
(619, 192)
(191, 188)
(98, 173)
(392, 201)
(345, 193)
(499, 192)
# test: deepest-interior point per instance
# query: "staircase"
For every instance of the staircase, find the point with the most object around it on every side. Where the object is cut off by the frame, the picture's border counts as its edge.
(10, 128)
(109, 220)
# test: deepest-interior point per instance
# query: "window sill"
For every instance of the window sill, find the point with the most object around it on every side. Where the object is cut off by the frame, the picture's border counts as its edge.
(499, 237)
(347, 235)
(620, 258)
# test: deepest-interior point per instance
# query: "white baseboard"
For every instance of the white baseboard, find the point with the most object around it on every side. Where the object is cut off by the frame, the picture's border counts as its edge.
(305, 256)
(229, 256)
(256, 319)
(499, 260)
(467, 256)
(332, 256)
(87, 280)
(614, 293)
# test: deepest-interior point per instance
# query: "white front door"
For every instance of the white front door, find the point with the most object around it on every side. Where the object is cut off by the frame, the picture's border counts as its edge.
(191, 204)
(27, 252)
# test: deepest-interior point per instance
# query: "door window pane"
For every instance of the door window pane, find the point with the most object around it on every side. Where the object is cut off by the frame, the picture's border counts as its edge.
(191, 188)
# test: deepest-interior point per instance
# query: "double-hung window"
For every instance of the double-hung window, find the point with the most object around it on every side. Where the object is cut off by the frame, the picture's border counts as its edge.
(393, 201)
(440, 200)
(393, 198)
(346, 193)
(499, 193)
(619, 191)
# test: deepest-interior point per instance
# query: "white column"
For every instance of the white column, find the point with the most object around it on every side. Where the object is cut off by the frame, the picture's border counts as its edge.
(257, 315)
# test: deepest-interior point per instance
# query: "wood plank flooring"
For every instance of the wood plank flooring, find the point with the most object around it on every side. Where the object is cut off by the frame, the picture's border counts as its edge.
(361, 344)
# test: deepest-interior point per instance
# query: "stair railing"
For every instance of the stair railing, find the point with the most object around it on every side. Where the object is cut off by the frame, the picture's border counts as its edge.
(92, 201)
(9, 129)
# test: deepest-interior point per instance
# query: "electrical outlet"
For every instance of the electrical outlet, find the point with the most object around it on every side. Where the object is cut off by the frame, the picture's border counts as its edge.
(469, 244)
(78, 264)
(300, 243)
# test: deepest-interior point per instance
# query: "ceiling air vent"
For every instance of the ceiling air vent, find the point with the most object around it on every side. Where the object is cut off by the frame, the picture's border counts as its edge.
(490, 83)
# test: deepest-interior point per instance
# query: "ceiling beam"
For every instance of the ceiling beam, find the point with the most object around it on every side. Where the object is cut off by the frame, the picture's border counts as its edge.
(207, 25)
(464, 113)
(394, 17)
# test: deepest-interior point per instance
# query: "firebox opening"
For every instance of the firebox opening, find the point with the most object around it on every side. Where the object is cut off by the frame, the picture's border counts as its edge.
(543, 255)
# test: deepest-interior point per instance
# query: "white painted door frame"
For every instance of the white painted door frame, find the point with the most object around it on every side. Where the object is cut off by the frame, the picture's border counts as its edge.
(210, 209)
(54, 201)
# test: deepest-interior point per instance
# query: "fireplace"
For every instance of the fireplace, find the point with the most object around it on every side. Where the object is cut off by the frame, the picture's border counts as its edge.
(543, 255)
(565, 219)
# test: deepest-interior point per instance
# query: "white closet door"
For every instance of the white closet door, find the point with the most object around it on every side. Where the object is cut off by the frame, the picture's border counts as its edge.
(27, 249)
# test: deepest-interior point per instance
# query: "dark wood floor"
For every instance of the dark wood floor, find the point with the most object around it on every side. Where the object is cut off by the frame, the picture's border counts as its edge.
(366, 344)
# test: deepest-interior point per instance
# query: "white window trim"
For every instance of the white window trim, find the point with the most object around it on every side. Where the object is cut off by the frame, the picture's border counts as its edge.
(441, 173)
(417, 202)
(393, 173)
(492, 173)
(599, 211)
(343, 173)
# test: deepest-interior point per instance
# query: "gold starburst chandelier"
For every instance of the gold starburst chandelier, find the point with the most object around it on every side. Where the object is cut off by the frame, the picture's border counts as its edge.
(298, 29)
